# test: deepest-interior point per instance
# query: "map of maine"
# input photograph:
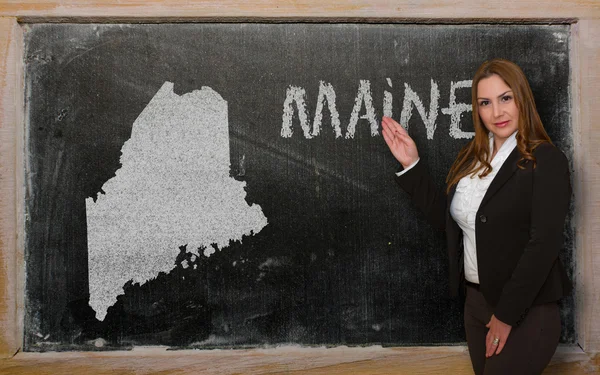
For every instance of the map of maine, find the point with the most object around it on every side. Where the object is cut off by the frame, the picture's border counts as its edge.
(173, 189)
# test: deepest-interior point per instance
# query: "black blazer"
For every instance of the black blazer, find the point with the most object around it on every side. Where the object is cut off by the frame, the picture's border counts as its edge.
(518, 232)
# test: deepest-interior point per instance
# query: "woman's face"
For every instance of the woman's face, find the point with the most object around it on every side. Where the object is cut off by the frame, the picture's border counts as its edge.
(497, 108)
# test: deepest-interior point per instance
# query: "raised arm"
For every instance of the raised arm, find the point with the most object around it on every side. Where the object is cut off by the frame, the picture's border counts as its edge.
(416, 181)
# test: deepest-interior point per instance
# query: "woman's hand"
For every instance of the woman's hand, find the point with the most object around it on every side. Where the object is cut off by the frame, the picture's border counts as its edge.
(498, 330)
(400, 143)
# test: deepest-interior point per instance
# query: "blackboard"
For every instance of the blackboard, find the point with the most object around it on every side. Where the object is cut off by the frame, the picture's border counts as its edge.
(180, 192)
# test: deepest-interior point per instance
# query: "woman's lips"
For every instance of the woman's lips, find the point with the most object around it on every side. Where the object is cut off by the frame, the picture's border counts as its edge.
(501, 124)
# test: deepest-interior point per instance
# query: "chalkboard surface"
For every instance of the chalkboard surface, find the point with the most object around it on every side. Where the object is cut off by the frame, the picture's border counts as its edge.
(226, 185)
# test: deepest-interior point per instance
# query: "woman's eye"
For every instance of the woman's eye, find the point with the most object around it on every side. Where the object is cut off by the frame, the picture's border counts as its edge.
(506, 98)
(484, 103)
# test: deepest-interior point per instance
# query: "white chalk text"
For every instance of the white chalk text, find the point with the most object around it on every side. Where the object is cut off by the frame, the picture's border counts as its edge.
(295, 100)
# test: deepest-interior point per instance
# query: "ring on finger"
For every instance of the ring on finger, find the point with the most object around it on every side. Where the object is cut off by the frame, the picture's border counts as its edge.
(496, 341)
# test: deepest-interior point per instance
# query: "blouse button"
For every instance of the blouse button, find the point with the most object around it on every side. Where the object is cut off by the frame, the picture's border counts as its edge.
(482, 218)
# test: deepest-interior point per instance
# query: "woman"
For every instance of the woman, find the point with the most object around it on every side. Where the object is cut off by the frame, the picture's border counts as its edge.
(503, 211)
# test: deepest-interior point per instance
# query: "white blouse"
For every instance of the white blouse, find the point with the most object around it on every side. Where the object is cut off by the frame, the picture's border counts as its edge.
(467, 199)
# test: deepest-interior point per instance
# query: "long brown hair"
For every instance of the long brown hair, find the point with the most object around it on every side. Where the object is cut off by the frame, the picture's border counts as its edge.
(473, 158)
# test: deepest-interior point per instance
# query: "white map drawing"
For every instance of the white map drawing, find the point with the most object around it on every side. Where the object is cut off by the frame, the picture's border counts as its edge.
(173, 189)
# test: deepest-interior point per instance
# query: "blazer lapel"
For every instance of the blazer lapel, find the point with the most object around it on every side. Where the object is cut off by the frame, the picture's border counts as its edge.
(506, 171)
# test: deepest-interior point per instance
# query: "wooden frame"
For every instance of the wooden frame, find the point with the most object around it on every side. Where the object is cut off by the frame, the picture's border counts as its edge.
(585, 57)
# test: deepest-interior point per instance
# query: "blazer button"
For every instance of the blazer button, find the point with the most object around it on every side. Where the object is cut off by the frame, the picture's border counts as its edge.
(482, 218)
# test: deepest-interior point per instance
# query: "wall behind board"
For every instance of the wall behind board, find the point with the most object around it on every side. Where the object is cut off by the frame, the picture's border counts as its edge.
(180, 191)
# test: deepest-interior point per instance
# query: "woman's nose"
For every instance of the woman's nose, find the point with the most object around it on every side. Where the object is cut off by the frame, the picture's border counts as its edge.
(497, 110)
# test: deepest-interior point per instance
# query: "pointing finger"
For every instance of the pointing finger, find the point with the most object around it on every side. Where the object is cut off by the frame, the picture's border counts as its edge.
(388, 133)
(387, 138)
(397, 127)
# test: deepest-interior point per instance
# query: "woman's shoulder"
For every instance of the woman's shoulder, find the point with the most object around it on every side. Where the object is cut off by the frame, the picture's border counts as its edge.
(546, 152)
(547, 149)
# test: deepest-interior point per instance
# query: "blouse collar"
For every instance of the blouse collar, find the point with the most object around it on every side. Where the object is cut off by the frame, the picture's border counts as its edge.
(507, 146)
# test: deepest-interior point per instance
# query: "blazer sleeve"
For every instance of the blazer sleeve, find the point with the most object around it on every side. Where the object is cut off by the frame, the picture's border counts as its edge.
(420, 186)
(551, 198)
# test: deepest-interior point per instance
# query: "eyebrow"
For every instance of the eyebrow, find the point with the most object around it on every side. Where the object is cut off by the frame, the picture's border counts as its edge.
(501, 95)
